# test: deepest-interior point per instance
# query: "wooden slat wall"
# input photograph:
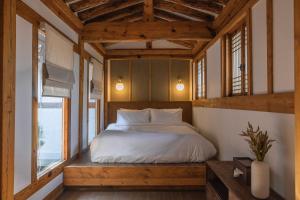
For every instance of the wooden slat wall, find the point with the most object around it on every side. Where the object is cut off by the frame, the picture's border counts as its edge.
(7, 96)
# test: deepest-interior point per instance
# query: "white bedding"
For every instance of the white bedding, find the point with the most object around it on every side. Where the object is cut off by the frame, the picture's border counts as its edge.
(151, 143)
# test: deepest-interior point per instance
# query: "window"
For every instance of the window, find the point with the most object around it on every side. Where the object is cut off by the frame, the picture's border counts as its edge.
(238, 56)
(50, 121)
(201, 78)
(92, 116)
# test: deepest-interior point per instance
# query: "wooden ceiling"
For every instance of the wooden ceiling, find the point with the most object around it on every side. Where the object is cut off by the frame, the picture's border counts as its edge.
(124, 11)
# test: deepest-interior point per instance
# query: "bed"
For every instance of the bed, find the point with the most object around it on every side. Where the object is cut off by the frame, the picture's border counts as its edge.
(144, 154)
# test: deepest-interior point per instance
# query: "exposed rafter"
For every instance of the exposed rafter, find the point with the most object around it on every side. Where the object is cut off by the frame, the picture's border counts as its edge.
(183, 11)
(86, 4)
(106, 8)
(203, 6)
(166, 16)
(141, 31)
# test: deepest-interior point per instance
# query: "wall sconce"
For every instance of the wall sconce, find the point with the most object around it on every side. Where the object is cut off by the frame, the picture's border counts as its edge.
(120, 85)
(179, 85)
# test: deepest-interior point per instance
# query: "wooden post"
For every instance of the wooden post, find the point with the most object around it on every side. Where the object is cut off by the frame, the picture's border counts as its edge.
(7, 96)
(80, 110)
(270, 45)
(297, 97)
(105, 92)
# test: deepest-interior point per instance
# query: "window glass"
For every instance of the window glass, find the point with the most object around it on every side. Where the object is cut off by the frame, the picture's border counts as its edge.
(91, 109)
(201, 78)
(50, 121)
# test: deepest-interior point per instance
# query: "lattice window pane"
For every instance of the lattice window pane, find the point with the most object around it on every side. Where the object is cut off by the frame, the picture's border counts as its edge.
(201, 78)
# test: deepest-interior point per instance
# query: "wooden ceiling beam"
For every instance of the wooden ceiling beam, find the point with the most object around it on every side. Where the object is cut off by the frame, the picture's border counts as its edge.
(141, 31)
(86, 4)
(201, 6)
(64, 12)
(183, 11)
(148, 17)
(228, 13)
(107, 8)
(138, 53)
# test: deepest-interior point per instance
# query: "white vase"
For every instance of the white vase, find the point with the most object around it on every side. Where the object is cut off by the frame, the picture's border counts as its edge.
(260, 179)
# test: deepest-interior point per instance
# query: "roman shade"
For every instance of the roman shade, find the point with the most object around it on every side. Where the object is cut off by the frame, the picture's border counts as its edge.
(58, 77)
(96, 77)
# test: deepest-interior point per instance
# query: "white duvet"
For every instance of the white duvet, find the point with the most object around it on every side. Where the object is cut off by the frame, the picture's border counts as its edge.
(151, 143)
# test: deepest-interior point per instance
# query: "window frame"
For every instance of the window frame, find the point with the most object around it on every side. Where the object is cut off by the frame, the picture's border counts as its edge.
(243, 26)
(66, 109)
(203, 79)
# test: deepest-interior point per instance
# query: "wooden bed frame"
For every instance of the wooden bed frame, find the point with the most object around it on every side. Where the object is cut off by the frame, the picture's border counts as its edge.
(82, 172)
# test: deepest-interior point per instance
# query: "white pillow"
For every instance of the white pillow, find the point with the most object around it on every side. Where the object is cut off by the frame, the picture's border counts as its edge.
(166, 115)
(126, 117)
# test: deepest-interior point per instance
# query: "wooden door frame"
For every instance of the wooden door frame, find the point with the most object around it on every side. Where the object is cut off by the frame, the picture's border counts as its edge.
(7, 96)
(297, 97)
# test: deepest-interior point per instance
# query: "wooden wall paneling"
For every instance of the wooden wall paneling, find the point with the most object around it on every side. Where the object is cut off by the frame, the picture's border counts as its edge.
(120, 69)
(150, 81)
(80, 105)
(280, 102)
(140, 79)
(249, 51)
(270, 45)
(297, 96)
(169, 81)
(180, 69)
(7, 95)
(35, 130)
(223, 66)
(130, 80)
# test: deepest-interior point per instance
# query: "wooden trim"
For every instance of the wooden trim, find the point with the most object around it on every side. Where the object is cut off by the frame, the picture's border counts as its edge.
(205, 76)
(223, 66)
(67, 129)
(270, 45)
(64, 12)
(41, 182)
(297, 96)
(249, 51)
(279, 103)
(229, 66)
(105, 66)
(80, 105)
(35, 30)
(54, 194)
(7, 96)
(243, 59)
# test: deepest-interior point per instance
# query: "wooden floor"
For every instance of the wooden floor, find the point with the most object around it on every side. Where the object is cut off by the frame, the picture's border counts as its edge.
(132, 195)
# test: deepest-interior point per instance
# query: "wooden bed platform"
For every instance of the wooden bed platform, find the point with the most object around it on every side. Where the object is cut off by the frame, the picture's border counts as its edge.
(82, 172)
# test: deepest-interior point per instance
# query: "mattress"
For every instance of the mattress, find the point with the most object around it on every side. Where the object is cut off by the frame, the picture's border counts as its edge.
(151, 143)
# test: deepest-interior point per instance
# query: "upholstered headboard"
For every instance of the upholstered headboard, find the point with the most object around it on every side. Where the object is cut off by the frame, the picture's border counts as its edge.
(112, 108)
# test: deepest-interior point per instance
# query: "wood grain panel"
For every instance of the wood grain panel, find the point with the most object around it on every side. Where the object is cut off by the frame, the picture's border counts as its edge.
(279, 103)
(185, 105)
(136, 175)
(180, 69)
(120, 69)
(7, 96)
(159, 80)
(140, 79)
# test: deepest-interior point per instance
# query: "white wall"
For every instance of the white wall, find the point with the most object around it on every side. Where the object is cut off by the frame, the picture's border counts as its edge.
(213, 57)
(222, 126)
(84, 104)
(23, 124)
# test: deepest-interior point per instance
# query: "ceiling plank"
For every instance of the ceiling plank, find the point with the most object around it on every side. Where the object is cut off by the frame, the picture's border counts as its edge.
(185, 43)
(131, 18)
(141, 31)
(86, 4)
(183, 11)
(106, 8)
(231, 9)
(210, 6)
(138, 53)
(166, 16)
(118, 15)
(64, 12)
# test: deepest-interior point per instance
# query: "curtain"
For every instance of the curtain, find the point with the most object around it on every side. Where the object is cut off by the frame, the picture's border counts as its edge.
(96, 79)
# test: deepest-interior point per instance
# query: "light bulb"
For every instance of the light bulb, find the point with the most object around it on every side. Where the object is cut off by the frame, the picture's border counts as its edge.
(119, 86)
(180, 86)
